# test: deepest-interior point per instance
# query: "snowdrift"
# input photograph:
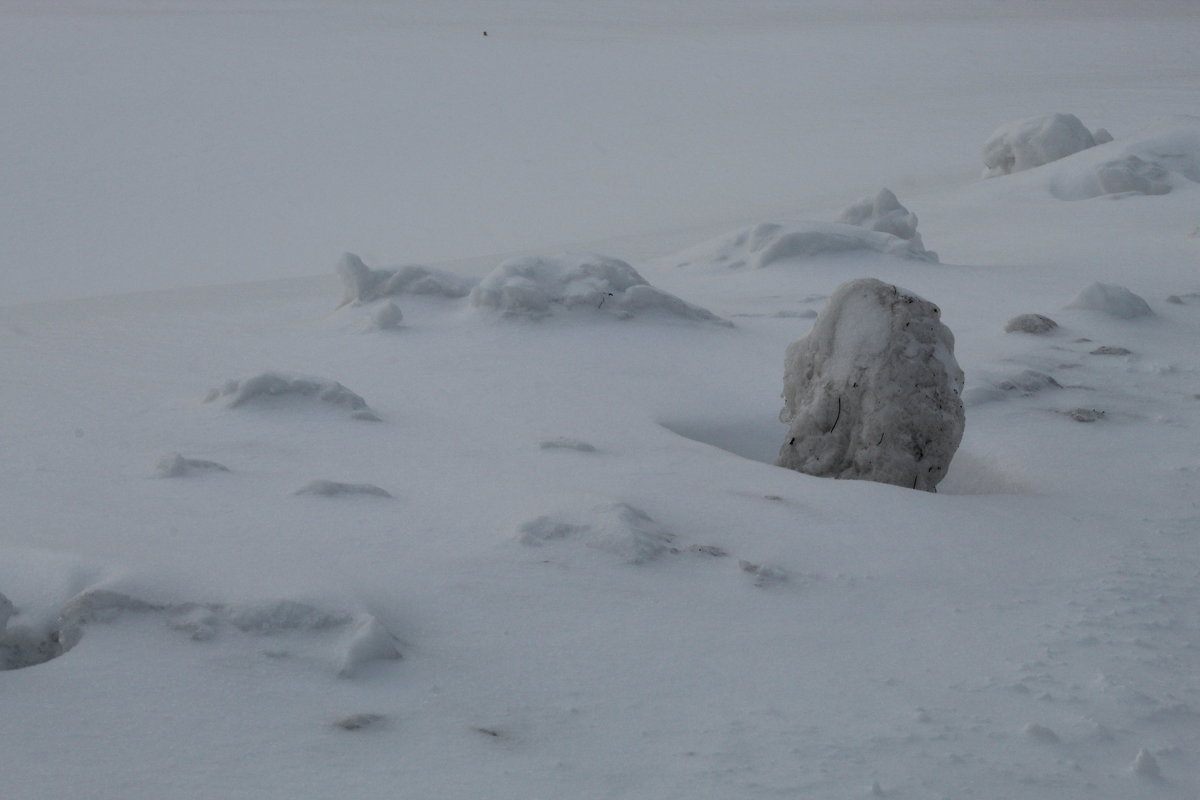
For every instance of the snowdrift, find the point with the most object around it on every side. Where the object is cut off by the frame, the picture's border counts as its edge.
(578, 283)
(272, 387)
(1027, 143)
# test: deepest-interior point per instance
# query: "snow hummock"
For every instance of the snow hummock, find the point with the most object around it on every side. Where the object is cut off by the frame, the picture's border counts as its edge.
(1030, 323)
(323, 488)
(361, 284)
(1145, 765)
(770, 243)
(884, 213)
(538, 286)
(1031, 142)
(872, 392)
(387, 317)
(616, 528)
(269, 386)
(174, 465)
(1116, 301)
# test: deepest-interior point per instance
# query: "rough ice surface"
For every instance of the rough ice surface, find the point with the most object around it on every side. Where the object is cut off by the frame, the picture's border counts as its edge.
(769, 243)
(1116, 301)
(268, 386)
(174, 465)
(884, 213)
(1027, 143)
(873, 391)
(361, 284)
(537, 287)
(1030, 323)
(324, 488)
(619, 528)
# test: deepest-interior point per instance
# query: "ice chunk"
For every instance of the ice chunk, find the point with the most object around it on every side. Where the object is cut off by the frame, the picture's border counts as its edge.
(1027, 143)
(361, 284)
(1116, 301)
(1030, 323)
(536, 287)
(873, 391)
(174, 465)
(274, 385)
(334, 489)
(885, 214)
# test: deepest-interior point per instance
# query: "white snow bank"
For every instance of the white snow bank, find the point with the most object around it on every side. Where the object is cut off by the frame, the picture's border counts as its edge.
(174, 465)
(1116, 301)
(873, 391)
(1161, 159)
(1027, 143)
(270, 386)
(884, 213)
(617, 528)
(535, 287)
(361, 284)
(769, 243)
(323, 488)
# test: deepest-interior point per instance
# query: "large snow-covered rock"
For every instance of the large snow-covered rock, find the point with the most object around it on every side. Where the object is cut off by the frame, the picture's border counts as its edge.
(1027, 143)
(361, 284)
(273, 386)
(770, 243)
(885, 213)
(873, 392)
(538, 286)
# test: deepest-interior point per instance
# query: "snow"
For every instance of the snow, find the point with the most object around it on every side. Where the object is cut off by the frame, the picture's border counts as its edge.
(269, 388)
(1027, 143)
(885, 213)
(873, 392)
(1030, 323)
(687, 620)
(1116, 301)
(537, 287)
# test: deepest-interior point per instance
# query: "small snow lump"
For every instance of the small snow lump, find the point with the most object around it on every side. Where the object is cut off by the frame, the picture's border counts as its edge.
(1116, 301)
(873, 391)
(274, 385)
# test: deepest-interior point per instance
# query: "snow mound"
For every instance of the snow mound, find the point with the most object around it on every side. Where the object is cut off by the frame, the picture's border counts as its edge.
(369, 641)
(770, 243)
(335, 489)
(1155, 162)
(566, 443)
(1030, 323)
(873, 391)
(1116, 301)
(174, 465)
(1027, 143)
(535, 287)
(361, 284)
(1022, 384)
(385, 318)
(269, 386)
(618, 528)
(885, 214)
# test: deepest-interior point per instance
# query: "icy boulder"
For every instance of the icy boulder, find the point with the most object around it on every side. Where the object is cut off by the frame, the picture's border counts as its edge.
(873, 391)
(361, 284)
(1027, 143)
(273, 386)
(885, 214)
(1116, 301)
(537, 287)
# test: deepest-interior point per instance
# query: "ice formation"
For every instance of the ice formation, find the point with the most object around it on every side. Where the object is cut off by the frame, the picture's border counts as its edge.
(174, 465)
(1027, 143)
(885, 214)
(273, 385)
(1116, 301)
(873, 391)
(1030, 323)
(323, 488)
(361, 284)
(768, 243)
(535, 287)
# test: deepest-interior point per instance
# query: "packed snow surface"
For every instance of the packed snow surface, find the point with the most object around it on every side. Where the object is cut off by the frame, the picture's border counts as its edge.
(600, 584)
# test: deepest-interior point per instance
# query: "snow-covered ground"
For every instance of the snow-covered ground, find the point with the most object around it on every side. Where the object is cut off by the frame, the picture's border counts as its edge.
(509, 527)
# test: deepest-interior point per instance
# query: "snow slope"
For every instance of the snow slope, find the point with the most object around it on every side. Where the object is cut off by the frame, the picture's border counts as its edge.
(589, 581)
